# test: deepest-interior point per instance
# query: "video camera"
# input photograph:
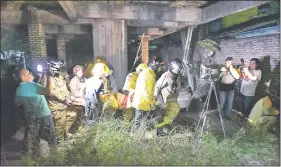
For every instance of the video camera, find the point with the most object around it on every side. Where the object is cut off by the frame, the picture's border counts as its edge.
(52, 66)
(209, 71)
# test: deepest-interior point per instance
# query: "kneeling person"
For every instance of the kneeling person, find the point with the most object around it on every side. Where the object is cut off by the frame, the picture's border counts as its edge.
(263, 113)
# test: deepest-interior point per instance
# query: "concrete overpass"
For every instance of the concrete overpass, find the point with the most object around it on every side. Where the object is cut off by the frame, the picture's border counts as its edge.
(111, 23)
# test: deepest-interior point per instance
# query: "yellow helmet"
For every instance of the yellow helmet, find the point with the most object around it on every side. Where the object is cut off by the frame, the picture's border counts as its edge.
(141, 67)
(100, 67)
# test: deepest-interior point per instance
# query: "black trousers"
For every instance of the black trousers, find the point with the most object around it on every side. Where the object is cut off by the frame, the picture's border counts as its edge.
(139, 116)
(36, 128)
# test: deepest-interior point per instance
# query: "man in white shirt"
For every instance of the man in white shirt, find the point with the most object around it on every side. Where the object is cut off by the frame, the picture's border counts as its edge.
(248, 87)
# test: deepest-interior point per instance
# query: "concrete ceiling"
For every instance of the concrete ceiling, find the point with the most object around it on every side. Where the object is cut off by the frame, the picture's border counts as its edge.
(154, 18)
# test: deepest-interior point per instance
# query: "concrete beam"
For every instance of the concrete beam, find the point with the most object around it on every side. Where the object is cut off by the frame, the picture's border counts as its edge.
(225, 8)
(68, 29)
(15, 17)
(137, 12)
(69, 9)
(154, 23)
(170, 31)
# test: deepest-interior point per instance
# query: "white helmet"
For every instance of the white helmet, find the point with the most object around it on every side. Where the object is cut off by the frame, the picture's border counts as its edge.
(175, 66)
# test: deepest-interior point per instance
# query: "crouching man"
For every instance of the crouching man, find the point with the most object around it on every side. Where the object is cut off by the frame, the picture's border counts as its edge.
(167, 86)
(39, 122)
(264, 114)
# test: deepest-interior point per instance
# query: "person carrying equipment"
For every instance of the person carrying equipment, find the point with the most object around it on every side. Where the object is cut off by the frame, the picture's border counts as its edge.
(64, 117)
(99, 92)
(129, 89)
(168, 87)
(144, 100)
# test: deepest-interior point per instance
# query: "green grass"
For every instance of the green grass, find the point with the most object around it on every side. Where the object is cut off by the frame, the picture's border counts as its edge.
(109, 143)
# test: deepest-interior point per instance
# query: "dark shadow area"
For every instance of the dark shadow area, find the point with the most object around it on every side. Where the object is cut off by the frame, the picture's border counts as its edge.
(79, 51)
(52, 51)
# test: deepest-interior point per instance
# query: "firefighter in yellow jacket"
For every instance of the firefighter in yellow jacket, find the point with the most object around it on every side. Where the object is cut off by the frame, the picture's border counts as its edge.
(144, 100)
(167, 86)
(58, 101)
(129, 89)
(98, 91)
(263, 113)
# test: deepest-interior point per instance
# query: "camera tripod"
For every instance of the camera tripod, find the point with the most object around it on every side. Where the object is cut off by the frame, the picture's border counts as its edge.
(205, 110)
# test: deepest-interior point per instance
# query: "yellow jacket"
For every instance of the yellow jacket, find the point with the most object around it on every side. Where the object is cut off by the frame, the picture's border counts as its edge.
(263, 108)
(144, 92)
(130, 82)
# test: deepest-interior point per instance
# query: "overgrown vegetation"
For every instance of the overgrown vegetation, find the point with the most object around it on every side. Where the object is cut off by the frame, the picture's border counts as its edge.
(109, 143)
(11, 40)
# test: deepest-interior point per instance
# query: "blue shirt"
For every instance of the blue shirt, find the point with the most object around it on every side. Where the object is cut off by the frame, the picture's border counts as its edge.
(29, 96)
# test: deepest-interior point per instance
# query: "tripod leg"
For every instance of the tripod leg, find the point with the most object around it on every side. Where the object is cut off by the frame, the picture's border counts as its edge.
(205, 107)
(221, 120)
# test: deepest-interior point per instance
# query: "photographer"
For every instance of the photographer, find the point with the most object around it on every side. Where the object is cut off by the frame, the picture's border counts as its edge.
(38, 119)
(250, 80)
(226, 87)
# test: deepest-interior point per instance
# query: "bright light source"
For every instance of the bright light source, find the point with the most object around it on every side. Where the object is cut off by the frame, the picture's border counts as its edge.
(39, 68)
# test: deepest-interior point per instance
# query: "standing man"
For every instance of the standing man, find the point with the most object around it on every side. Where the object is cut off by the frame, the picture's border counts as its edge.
(77, 93)
(248, 86)
(144, 100)
(226, 88)
(39, 122)
(168, 87)
(64, 116)
(129, 89)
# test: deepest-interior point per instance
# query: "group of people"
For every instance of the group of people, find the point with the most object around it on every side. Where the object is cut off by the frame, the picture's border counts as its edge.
(55, 105)
(264, 112)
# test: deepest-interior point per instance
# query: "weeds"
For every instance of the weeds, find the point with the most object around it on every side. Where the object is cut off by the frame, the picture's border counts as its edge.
(109, 143)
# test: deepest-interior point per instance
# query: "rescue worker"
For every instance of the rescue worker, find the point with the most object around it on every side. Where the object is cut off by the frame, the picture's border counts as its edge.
(63, 116)
(77, 92)
(129, 89)
(90, 66)
(144, 100)
(264, 114)
(168, 86)
(98, 92)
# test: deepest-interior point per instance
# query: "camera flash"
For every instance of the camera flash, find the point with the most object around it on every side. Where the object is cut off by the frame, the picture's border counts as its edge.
(39, 68)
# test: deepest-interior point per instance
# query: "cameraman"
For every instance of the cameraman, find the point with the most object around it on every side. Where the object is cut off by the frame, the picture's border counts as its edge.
(39, 122)
(250, 80)
(58, 101)
(226, 87)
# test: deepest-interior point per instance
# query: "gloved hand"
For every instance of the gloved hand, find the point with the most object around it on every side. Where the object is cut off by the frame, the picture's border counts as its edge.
(154, 104)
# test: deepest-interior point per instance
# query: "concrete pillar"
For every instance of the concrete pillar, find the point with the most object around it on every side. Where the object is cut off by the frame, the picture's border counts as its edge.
(144, 50)
(110, 42)
(37, 45)
(61, 48)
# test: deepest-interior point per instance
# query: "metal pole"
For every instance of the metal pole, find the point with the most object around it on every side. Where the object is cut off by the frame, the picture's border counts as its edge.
(137, 56)
(185, 58)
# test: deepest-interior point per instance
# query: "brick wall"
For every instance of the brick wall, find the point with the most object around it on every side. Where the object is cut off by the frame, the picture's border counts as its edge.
(37, 45)
(37, 41)
(265, 48)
